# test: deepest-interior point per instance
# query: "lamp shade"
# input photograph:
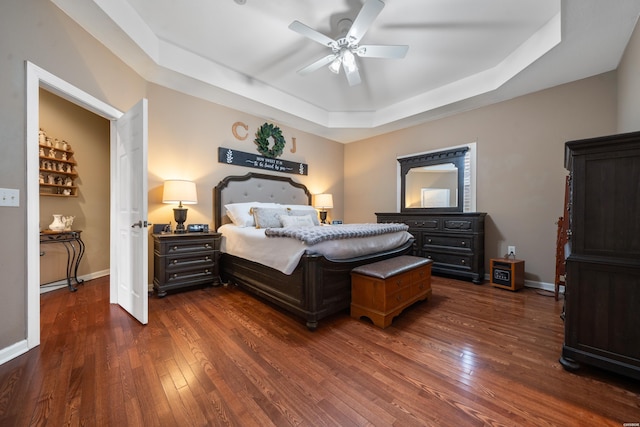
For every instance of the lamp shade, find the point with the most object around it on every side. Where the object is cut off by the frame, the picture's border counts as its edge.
(324, 201)
(179, 191)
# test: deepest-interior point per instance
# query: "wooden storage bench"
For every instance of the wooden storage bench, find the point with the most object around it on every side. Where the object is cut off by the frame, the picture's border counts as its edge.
(380, 291)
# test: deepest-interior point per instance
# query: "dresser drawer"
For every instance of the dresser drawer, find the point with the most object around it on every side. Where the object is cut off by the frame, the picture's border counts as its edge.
(429, 224)
(413, 223)
(458, 224)
(463, 242)
(461, 261)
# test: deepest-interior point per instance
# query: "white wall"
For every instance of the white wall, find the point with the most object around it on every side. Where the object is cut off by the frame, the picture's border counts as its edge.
(629, 86)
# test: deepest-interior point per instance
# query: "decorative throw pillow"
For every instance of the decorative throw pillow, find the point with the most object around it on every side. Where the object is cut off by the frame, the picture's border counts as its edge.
(268, 217)
(296, 221)
(301, 210)
(240, 213)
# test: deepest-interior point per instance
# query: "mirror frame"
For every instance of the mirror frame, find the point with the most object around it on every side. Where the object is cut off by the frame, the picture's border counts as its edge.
(455, 156)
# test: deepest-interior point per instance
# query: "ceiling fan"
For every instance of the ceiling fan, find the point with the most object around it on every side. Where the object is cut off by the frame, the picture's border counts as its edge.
(345, 49)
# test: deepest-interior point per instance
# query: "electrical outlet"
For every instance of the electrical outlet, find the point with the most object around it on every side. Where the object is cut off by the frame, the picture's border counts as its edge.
(511, 250)
(9, 197)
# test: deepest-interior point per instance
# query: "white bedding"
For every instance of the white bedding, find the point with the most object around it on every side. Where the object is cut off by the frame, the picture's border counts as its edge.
(283, 254)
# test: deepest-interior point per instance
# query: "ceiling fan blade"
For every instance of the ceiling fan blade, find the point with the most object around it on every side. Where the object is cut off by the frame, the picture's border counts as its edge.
(370, 10)
(317, 65)
(312, 34)
(379, 51)
(353, 76)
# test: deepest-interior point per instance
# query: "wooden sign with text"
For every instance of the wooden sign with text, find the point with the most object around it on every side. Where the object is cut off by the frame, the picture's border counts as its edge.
(250, 160)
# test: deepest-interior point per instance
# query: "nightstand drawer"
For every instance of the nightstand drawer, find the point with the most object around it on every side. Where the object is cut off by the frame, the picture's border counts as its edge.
(179, 247)
(193, 274)
(189, 261)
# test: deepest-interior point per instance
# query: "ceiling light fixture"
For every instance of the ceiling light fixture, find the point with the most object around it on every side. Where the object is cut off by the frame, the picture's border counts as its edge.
(335, 65)
(349, 61)
(344, 49)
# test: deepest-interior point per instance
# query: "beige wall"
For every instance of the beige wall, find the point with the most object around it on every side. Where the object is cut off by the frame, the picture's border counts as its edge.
(629, 86)
(184, 133)
(519, 147)
(35, 30)
(184, 136)
(520, 182)
(88, 135)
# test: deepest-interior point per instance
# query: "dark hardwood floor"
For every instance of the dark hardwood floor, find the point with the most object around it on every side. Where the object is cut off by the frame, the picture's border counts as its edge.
(471, 355)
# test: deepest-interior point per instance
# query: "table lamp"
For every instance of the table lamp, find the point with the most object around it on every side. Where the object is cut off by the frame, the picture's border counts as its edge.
(179, 191)
(324, 202)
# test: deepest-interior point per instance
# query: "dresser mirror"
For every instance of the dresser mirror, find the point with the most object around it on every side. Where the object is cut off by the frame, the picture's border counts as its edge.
(436, 182)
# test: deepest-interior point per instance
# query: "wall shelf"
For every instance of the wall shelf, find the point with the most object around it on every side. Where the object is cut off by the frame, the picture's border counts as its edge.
(57, 170)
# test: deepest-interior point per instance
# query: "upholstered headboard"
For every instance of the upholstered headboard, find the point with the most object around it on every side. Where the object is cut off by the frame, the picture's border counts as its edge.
(256, 187)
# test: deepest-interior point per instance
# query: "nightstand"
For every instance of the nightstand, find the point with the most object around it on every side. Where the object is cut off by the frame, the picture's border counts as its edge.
(185, 260)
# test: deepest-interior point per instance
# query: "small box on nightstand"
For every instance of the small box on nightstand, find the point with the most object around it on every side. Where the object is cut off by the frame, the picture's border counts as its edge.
(507, 273)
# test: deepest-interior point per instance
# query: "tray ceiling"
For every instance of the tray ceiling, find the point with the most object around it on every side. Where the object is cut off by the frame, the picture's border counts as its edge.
(462, 54)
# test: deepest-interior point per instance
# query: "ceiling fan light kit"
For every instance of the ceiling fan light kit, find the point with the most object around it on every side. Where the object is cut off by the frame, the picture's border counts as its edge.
(344, 50)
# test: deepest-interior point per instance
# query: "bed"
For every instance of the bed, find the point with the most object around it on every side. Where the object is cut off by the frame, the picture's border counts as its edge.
(317, 286)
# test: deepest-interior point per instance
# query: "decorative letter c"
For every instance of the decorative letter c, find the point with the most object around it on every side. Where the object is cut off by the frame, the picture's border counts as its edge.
(234, 130)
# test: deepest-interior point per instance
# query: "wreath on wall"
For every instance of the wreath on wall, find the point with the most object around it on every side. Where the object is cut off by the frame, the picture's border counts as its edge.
(263, 134)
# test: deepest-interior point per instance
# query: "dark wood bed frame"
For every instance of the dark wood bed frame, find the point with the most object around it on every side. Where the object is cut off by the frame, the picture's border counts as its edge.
(318, 287)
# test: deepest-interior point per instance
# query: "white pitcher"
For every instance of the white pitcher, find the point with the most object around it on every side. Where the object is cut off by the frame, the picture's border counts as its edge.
(57, 224)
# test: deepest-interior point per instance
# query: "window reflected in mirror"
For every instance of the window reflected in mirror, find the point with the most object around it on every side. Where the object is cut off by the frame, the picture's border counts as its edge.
(433, 186)
(438, 181)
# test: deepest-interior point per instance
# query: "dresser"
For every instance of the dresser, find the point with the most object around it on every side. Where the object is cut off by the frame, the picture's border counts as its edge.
(185, 260)
(453, 241)
(602, 272)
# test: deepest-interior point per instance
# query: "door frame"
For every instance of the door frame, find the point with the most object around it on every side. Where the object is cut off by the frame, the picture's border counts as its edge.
(37, 78)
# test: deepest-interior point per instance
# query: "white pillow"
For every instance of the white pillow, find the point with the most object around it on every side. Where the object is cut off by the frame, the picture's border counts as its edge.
(240, 213)
(268, 217)
(298, 210)
(296, 221)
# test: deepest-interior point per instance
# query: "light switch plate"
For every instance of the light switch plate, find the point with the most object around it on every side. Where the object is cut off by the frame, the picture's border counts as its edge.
(9, 197)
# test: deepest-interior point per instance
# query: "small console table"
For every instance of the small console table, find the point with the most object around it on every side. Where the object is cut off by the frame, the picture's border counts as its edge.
(69, 239)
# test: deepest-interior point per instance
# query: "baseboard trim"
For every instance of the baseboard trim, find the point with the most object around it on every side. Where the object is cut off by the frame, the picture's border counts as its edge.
(543, 285)
(535, 285)
(13, 351)
(63, 283)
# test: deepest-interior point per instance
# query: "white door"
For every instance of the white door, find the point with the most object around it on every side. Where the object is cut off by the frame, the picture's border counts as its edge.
(129, 173)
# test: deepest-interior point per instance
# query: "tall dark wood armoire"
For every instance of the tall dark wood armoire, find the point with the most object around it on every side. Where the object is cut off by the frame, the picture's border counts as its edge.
(602, 296)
